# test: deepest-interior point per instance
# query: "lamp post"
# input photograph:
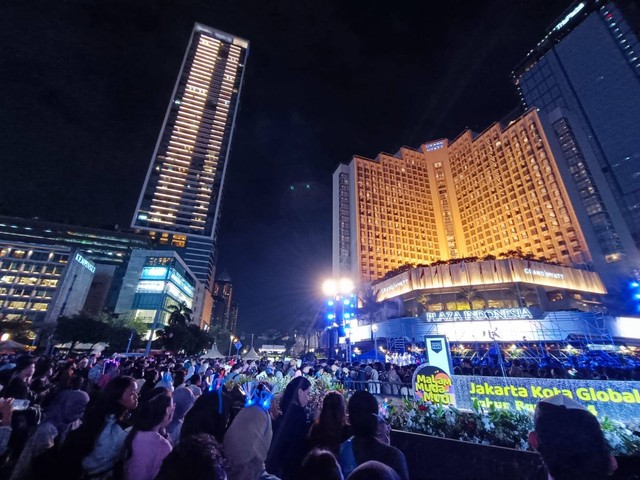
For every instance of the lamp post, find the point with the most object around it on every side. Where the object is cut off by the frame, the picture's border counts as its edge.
(374, 331)
(340, 298)
(230, 345)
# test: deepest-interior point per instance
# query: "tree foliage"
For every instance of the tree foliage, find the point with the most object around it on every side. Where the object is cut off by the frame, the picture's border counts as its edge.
(179, 314)
(80, 328)
(189, 338)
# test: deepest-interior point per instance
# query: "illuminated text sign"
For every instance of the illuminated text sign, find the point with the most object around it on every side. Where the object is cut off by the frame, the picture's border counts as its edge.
(616, 400)
(569, 16)
(543, 273)
(85, 263)
(491, 314)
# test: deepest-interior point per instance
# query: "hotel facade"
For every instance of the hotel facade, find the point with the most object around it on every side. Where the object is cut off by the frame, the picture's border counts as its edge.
(181, 201)
(507, 189)
(42, 282)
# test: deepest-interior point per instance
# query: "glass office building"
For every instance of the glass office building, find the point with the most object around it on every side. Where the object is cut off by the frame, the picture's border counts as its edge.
(588, 64)
(155, 281)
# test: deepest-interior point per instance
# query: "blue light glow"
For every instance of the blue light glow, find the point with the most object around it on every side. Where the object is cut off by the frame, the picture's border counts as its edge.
(330, 303)
(635, 284)
(331, 316)
(346, 301)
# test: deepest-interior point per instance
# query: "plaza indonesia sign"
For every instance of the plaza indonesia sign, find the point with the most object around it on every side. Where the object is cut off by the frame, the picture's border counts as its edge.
(490, 314)
(613, 399)
(432, 381)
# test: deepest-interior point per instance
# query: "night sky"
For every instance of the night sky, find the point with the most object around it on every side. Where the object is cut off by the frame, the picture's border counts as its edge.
(85, 85)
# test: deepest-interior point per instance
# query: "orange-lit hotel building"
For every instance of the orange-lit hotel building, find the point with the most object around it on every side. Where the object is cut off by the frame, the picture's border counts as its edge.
(508, 188)
(180, 203)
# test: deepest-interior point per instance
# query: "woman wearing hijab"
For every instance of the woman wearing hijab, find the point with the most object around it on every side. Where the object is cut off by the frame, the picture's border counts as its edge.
(63, 415)
(247, 441)
(183, 399)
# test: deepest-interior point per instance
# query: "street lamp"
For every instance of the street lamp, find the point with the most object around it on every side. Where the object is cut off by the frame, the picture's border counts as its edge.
(231, 340)
(340, 299)
(374, 331)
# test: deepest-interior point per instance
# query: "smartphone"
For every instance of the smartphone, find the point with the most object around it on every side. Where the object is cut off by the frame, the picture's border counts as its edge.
(20, 404)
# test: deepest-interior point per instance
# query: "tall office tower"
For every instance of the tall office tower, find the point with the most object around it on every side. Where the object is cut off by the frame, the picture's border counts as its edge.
(181, 200)
(482, 194)
(222, 301)
(588, 64)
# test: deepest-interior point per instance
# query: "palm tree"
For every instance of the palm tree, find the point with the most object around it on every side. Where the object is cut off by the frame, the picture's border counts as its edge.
(521, 293)
(179, 314)
(469, 294)
(370, 305)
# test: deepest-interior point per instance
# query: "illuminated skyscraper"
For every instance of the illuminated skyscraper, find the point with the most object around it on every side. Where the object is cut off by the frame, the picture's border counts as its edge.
(508, 188)
(588, 65)
(222, 302)
(181, 200)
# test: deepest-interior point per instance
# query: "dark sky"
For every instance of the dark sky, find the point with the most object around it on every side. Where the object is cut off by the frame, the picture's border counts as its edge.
(84, 86)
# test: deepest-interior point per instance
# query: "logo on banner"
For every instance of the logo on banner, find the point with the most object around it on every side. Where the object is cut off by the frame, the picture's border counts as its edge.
(433, 384)
(436, 345)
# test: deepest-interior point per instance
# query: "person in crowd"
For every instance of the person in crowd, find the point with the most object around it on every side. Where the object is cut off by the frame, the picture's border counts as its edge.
(145, 448)
(247, 441)
(289, 445)
(210, 414)
(94, 375)
(516, 369)
(6, 413)
(18, 386)
(373, 470)
(166, 380)
(183, 399)
(62, 416)
(320, 465)
(94, 448)
(197, 457)
(330, 430)
(194, 384)
(150, 380)
(178, 378)
(83, 370)
(364, 446)
(570, 441)
(41, 384)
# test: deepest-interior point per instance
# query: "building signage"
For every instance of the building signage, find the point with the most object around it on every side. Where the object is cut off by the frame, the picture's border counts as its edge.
(616, 400)
(393, 286)
(432, 381)
(543, 273)
(491, 314)
(85, 263)
(569, 16)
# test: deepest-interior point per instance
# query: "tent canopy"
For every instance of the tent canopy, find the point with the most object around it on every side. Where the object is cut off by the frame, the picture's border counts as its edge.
(10, 345)
(213, 353)
(251, 355)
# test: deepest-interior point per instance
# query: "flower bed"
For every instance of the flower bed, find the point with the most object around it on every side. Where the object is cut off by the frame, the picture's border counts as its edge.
(503, 428)
(494, 427)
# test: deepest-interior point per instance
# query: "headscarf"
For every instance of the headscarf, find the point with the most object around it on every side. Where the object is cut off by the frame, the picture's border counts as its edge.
(247, 442)
(67, 408)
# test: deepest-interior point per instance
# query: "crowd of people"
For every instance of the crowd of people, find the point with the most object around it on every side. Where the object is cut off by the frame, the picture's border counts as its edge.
(584, 366)
(164, 417)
